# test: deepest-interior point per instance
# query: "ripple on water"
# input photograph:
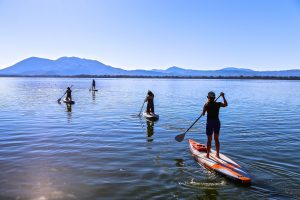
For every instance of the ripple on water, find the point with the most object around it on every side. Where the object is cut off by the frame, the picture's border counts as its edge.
(100, 149)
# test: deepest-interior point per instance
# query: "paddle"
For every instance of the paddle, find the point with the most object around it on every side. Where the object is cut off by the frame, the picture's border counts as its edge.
(142, 108)
(180, 137)
(58, 100)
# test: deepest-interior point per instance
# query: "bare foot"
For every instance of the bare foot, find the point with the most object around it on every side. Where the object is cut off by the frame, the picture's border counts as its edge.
(218, 156)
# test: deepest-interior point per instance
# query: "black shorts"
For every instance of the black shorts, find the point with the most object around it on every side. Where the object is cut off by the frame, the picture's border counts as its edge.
(213, 126)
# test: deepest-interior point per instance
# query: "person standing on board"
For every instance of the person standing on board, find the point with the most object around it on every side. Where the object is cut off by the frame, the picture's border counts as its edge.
(213, 124)
(94, 85)
(150, 102)
(69, 94)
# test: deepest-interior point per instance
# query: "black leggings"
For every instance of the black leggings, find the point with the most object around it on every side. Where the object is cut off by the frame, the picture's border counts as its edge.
(69, 97)
(150, 107)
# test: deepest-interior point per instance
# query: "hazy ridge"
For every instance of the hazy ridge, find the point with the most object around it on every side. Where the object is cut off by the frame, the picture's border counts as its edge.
(73, 66)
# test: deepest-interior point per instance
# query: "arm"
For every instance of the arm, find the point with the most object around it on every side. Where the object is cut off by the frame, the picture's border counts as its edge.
(224, 104)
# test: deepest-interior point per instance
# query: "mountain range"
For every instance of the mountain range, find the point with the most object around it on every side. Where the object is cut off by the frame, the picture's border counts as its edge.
(73, 66)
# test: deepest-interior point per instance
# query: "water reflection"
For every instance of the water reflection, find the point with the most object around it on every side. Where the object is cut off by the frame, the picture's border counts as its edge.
(93, 95)
(69, 111)
(179, 162)
(69, 108)
(209, 193)
(80, 151)
(150, 130)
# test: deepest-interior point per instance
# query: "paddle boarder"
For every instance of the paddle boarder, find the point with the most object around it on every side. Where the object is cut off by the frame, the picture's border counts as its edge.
(213, 124)
(150, 102)
(69, 94)
(94, 85)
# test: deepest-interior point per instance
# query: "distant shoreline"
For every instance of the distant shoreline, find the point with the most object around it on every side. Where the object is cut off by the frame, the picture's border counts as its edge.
(165, 77)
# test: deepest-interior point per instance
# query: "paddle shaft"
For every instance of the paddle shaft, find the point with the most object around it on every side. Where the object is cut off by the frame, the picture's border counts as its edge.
(142, 108)
(62, 96)
(193, 123)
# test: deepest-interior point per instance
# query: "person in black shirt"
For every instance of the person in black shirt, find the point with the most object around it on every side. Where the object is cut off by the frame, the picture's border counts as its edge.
(94, 85)
(69, 94)
(150, 100)
(213, 124)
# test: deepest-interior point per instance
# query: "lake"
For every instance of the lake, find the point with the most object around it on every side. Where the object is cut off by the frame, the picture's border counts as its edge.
(100, 149)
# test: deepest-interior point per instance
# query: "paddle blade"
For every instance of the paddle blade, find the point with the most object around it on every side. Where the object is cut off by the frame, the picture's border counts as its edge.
(180, 137)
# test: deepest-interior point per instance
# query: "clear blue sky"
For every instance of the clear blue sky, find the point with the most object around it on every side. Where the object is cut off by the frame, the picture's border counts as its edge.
(132, 34)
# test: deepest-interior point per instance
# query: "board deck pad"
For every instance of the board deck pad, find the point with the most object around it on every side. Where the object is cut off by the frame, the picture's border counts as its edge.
(150, 116)
(223, 165)
(69, 102)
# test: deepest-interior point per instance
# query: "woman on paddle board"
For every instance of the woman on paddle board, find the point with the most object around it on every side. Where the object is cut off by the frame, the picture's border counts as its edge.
(94, 85)
(69, 94)
(213, 124)
(150, 102)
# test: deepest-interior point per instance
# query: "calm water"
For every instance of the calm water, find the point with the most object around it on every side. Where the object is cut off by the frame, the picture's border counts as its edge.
(100, 149)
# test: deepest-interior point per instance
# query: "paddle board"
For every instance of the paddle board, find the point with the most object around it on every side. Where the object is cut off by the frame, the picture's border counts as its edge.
(151, 116)
(223, 165)
(69, 102)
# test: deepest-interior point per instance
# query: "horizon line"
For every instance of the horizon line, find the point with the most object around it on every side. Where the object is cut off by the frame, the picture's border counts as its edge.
(93, 59)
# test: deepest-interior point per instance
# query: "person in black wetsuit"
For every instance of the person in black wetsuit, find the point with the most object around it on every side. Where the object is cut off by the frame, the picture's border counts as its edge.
(150, 102)
(69, 94)
(213, 124)
(94, 85)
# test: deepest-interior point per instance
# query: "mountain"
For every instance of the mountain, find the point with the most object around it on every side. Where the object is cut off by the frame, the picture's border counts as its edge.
(65, 66)
(70, 66)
